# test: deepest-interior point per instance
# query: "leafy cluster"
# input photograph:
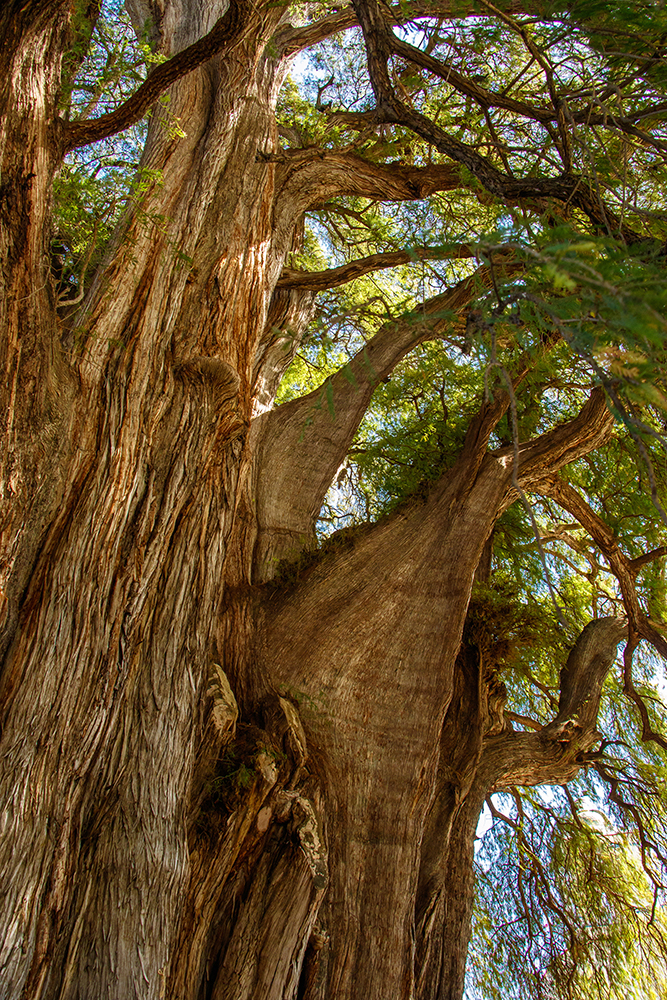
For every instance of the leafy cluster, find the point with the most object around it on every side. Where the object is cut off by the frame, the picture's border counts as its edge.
(568, 884)
(103, 68)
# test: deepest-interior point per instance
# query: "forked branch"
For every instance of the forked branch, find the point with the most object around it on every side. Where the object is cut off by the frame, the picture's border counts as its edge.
(390, 109)
(227, 31)
(541, 457)
(544, 115)
(293, 39)
(624, 569)
(307, 439)
(556, 753)
(581, 679)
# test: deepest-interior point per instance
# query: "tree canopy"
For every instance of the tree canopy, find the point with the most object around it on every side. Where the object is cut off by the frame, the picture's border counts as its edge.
(508, 238)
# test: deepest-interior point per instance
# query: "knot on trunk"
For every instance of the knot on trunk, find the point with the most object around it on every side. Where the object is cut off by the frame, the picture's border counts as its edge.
(300, 813)
(494, 697)
(224, 709)
(213, 374)
(282, 720)
(295, 732)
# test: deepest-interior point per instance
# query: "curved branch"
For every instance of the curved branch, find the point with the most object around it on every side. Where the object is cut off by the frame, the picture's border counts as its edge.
(581, 679)
(568, 498)
(292, 40)
(625, 570)
(490, 99)
(485, 98)
(567, 188)
(556, 753)
(226, 32)
(545, 454)
(523, 720)
(319, 281)
(647, 557)
(308, 178)
(306, 440)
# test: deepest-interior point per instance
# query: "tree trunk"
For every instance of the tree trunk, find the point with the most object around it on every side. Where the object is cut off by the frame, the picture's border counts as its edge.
(217, 783)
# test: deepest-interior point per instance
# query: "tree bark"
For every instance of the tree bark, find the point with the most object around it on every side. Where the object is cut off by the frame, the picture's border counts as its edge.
(216, 783)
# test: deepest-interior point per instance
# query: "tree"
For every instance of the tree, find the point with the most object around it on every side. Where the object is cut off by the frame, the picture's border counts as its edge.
(237, 760)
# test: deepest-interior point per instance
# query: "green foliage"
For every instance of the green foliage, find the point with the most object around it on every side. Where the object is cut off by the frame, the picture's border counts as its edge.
(499, 623)
(627, 33)
(236, 770)
(104, 67)
(581, 912)
(571, 898)
(413, 429)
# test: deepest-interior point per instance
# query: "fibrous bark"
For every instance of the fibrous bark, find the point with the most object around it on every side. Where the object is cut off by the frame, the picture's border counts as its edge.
(217, 783)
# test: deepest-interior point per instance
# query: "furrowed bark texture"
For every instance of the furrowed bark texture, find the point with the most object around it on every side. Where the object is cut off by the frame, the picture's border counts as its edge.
(219, 781)
(36, 387)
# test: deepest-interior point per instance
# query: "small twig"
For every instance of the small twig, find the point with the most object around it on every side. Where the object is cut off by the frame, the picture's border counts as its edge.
(63, 300)
(631, 423)
(320, 90)
(648, 733)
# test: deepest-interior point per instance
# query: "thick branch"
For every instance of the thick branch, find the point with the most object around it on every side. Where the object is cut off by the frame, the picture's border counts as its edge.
(647, 557)
(504, 760)
(307, 439)
(320, 280)
(225, 33)
(291, 40)
(308, 178)
(556, 753)
(378, 50)
(581, 679)
(567, 442)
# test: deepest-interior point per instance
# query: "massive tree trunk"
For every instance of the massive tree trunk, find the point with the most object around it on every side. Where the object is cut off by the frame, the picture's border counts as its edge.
(220, 778)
